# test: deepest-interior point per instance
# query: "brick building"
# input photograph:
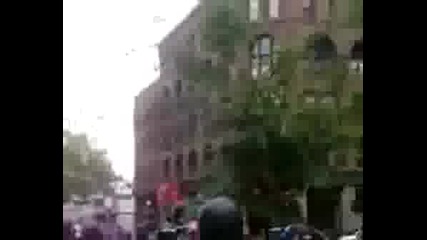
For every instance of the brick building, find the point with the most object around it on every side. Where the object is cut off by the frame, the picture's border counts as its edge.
(175, 138)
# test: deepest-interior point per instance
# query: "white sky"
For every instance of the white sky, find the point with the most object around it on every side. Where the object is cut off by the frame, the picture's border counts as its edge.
(99, 79)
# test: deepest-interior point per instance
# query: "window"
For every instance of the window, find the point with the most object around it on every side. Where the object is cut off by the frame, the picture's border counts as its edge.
(327, 100)
(309, 99)
(359, 193)
(179, 166)
(340, 159)
(208, 154)
(190, 88)
(192, 163)
(98, 202)
(166, 92)
(359, 161)
(255, 66)
(192, 123)
(307, 3)
(274, 8)
(357, 205)
(254, 10)
(265, 66)
(308, 11)
(207, 64)
(178, 88)
(191, 40)
(166, 168)
(265, 48)
(356, 66)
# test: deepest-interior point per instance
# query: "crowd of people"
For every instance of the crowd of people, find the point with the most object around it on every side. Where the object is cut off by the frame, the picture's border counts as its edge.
(100, 227)
(220, 219)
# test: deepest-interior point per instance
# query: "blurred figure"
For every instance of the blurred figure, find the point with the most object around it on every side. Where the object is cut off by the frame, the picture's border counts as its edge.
(142, 232)
(92, 230)
(78, 229)
(92, 233)
(193, 229)
(220, 219)
(67, 233)
(301, 231)
(168, 224)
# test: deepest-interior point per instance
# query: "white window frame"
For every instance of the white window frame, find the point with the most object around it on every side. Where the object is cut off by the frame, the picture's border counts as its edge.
(274, 8)
(254, 10)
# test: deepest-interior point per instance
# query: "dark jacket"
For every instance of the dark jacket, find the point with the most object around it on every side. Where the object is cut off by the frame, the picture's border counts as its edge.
(301, 230)
(66, 231)
(220, 219)
(92, 233)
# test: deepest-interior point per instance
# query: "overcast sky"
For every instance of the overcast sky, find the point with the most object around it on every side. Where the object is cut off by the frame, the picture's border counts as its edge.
(108, 59)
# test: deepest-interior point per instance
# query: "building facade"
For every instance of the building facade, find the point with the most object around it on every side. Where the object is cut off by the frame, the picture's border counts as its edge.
(176, 139)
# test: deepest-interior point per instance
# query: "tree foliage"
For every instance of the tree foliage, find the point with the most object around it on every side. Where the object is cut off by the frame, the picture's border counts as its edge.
(85, 170)
(286, 146)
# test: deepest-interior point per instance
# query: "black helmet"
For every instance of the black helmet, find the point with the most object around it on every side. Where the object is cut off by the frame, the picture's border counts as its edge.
(220, 219)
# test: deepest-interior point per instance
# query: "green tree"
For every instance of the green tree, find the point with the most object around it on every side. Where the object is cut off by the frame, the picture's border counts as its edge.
(85, 170)
(285, 145)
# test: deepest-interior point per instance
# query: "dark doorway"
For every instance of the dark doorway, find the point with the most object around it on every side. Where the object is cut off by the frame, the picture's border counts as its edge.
(357, 50)
(321, 206)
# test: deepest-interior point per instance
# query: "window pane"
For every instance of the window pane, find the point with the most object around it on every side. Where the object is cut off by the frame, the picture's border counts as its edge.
(255, 66)
(327, 100)
(265, 65)
(341, 160)
(192, 163)
(309, 99)
(356, 66)
(166, 168)
(255, 51)
(274, 8)
(253, 10)
(179, 166)
(265, 46)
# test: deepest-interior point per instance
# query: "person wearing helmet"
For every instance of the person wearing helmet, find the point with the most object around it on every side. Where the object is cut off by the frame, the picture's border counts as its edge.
(220, 219)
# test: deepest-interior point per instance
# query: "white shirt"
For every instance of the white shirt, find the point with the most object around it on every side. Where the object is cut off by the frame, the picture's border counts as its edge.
(78, 230)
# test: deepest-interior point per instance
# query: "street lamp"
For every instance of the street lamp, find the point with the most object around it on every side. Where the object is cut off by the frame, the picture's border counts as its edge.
(261, 56)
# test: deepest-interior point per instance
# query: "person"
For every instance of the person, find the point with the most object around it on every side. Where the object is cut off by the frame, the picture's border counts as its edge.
(67, 230)
(92, 233)
(142, 232)
(220, 219)
(301, 231)
(78, 229)
(359, 234)
(168, 223)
